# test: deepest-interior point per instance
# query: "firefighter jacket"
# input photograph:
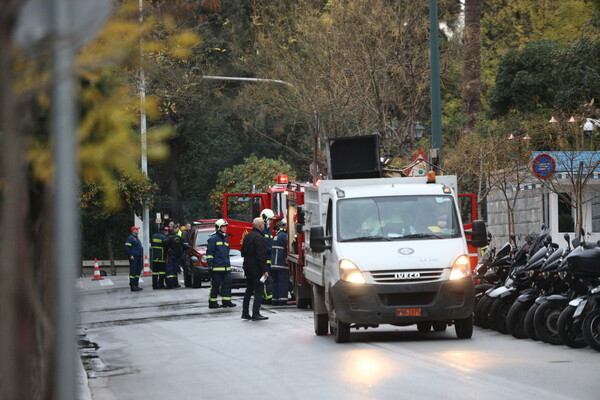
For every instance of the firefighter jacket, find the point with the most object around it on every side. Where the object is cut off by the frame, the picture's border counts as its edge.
(269, 242)
(217, 252)
(133, 247)
(158, 251)
(174, 246)
(254, 251)
(279, 252)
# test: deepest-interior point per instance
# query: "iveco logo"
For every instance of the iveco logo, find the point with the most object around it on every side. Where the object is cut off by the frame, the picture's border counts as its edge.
(405, 251)
(407, 275)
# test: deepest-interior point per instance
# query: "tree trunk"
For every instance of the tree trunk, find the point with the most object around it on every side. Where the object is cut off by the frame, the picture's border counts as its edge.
(471, 93)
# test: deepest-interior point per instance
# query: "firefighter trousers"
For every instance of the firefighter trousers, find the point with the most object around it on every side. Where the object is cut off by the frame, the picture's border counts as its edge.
(220, 282)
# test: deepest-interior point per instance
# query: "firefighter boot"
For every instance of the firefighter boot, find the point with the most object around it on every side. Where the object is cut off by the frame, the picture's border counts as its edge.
(213, 304)
(228, 303)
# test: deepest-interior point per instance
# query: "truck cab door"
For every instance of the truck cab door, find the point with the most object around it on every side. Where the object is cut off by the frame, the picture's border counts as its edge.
(239, 210)
(467, 203)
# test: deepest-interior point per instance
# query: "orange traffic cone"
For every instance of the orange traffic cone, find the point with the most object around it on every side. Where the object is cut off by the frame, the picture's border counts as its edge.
(97, 275)
(147, 271)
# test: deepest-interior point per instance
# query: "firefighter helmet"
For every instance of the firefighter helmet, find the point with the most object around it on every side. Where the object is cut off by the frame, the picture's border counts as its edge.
(220, 223)
(266, 214)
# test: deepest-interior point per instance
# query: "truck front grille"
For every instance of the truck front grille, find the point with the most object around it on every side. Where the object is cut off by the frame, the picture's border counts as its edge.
(408, 276)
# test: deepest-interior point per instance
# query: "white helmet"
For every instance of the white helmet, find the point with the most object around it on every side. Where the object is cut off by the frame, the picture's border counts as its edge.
(220, 223)
(266, 214)
(283, 222)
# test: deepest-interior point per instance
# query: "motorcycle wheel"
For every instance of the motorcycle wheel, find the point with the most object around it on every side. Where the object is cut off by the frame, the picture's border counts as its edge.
(485, 313)
(477, 312)
(498, 314)
(545, 322)
(515, 319)
(591, 329)
(569, 330)
(528, 322)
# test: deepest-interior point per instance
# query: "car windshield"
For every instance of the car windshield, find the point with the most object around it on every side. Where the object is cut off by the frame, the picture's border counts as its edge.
(397, 218)
(234, 253)
(202, 238)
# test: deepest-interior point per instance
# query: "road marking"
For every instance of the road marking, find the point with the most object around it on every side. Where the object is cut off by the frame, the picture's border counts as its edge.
(106, 282)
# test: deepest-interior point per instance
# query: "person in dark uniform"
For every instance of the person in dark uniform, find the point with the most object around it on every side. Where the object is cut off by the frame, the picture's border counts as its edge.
(174, 252)
(217, 258)
(254, 251)
(279, 269)
(159, 258)
(135, 253)
(267, 216)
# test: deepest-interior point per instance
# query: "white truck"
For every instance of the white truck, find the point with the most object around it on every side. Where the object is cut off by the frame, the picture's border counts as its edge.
(388, 251)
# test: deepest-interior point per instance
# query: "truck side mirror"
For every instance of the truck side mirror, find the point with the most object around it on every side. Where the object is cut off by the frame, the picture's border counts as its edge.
(478, 234)
(318, 239)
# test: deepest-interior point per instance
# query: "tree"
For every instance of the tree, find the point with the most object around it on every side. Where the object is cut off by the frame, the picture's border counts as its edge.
(254, 174)
(471, 93)
(108, 142)
(133, 193)
(356, 67)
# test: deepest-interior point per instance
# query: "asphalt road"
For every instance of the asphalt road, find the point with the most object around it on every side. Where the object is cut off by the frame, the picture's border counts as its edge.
(167, 344)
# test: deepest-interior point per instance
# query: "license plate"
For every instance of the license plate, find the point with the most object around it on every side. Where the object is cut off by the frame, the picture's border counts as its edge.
(408, 312)
(579, 308)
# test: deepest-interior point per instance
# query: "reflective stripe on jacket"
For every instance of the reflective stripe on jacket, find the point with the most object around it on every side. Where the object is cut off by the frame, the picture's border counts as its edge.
(217, 252)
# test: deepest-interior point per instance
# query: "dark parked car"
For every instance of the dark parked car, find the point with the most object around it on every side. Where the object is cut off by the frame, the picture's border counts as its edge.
(195, 268)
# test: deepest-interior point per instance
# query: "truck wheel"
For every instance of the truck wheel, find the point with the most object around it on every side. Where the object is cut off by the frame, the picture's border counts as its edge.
(439, 326)
(341, 330)
(321, 324)
(424, 327)
(301, 302)
(464, 327)
(196, 281)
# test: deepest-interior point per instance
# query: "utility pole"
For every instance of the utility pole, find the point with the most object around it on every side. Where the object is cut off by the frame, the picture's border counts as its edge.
(145, 212)
(436, 109)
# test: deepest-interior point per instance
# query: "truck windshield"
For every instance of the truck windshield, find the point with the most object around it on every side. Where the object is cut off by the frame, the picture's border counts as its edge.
(397, 218)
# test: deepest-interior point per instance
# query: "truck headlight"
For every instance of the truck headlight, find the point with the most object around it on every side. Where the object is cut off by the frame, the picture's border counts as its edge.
(461, 268)
(349, 272)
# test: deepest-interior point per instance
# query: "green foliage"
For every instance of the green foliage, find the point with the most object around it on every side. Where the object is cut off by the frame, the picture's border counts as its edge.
(133, 192)
(254, 172)
(525, 78)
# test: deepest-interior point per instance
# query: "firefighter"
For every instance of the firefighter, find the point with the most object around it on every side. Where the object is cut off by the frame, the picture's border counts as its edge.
(267, 216)
(135, 253)
(175, 252)
(279, 269)
(217, 258)
(159, 258)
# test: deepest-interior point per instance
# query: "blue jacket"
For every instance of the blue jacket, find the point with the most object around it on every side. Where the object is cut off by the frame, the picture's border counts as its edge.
(269, 241)
(217, 252)
(133, 247)
(279, 252)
